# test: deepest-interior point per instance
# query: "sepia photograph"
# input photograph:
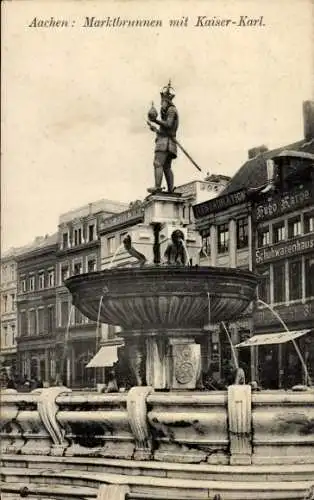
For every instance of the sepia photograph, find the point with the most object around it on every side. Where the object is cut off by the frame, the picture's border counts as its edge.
(157, 250)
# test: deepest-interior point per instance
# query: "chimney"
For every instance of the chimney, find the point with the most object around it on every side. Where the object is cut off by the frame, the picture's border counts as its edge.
(257, 151)
(308, 120)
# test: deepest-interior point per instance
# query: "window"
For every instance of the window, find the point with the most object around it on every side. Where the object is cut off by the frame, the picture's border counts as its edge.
(223, 238)
(64, 313)
(65, 273)
(51, 319)
(294, 227)
(111, 245)
(279, 233)
(91, 232)
(4, 273)
(13, 331)
(65, 240)
(13, 303)
(32, 283)
(12, 271)
(77, 236)
(41, 281)
(279, 282)
(263, 237)
(5, 303)
(309, 276)
(295, 280)
(23, 285)
(51, 278)
(77, 268)
(32, 322)
(23, 323)
(91, 265)
(264, 284)
(242, 233)
(205, 251)
(5, 335)
(122, 236)
(41, 320)
(309, 223)
(78, 317)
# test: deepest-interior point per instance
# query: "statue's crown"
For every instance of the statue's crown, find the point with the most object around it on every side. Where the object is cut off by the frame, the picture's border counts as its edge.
(167, 92)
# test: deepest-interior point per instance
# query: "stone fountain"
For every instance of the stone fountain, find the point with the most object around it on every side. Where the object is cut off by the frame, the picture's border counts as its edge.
(167, 437)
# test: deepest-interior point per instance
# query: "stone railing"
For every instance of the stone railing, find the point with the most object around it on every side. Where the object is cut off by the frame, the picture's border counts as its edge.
(226, 427)
(153, 437)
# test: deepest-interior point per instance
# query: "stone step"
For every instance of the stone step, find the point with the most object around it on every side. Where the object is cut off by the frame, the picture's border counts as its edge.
(270, 473)
(159, 487)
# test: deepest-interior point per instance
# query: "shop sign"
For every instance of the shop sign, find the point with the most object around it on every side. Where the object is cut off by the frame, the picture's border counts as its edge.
(280, 204)
(127, 217)
(293, 313)
(220, 203)
(285, 249)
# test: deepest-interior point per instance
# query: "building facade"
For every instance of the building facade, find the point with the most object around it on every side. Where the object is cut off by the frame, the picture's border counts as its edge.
(36, 301)
(263, 221)
(78, 252)
(8, 311)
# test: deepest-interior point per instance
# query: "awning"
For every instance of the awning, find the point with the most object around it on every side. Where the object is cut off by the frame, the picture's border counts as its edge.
(106, 356)
(272, 338)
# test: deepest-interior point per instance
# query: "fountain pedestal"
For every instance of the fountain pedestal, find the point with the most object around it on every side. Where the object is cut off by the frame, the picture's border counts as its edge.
(172, 361)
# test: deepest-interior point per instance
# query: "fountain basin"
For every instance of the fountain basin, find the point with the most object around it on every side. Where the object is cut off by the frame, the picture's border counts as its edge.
(163, 297)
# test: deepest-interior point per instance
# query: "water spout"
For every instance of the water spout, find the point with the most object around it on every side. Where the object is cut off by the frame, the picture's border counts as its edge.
(98, 323)
(186, 251)
(275, 313)
(64, 358)
(114, 255)
(234, 356)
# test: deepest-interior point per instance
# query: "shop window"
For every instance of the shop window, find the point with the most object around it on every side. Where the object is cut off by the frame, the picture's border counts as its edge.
(205, 252)
(223, 238)
(264, 284)
(279, 282)
(294, 227)
(263, 237)
(279, 233)
(78, 317)
(242, 233)
(295, 279)
(309, 276)
(309, 223)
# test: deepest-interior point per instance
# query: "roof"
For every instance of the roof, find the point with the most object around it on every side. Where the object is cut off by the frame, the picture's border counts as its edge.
(253, 173)
(39, 243)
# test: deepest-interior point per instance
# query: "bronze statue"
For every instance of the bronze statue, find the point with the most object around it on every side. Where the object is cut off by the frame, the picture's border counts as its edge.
(165, 144)
(175, 253)
(127, 242)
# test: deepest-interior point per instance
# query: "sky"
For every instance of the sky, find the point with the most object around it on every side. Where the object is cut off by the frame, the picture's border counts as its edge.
(75, 99)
